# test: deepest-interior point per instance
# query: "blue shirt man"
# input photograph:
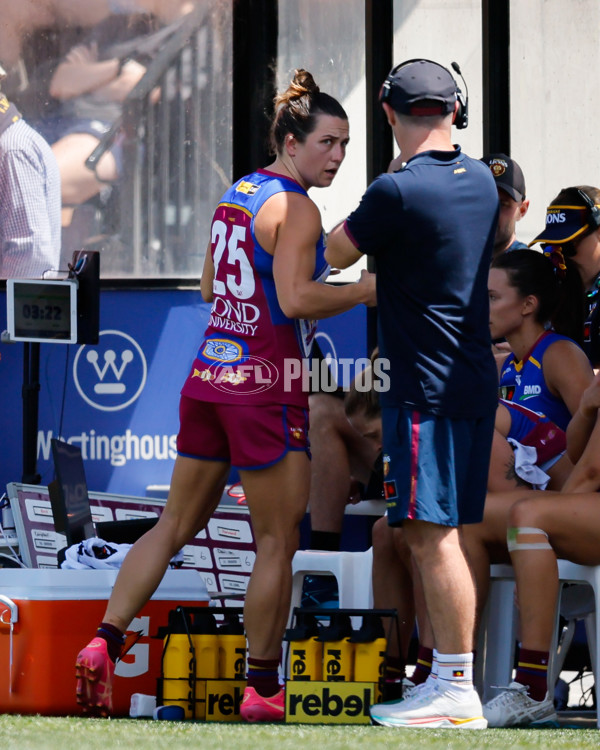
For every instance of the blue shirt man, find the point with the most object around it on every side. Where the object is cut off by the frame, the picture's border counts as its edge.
(431, 227)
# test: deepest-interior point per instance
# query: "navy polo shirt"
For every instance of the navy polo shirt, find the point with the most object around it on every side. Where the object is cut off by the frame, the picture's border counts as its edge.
(431, 229)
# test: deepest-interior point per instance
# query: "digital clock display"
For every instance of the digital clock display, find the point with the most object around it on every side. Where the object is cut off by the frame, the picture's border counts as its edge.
(42, 310)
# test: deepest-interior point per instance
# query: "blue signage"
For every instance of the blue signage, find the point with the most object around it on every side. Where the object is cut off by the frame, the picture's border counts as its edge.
(118, 400)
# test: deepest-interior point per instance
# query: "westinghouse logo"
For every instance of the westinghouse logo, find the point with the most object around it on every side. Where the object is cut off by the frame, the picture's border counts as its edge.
(111, 375)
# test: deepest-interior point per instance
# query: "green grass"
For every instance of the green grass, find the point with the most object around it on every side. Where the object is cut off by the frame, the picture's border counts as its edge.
(67, 733)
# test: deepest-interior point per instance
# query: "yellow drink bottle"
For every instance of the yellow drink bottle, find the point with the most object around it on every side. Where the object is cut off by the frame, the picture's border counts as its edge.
(206, 646)
(178, 686)
(338, 650)
(232, 648)
(370, 647)
(305, 649)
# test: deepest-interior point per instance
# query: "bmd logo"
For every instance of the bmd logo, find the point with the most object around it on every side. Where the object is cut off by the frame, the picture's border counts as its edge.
(111, 375)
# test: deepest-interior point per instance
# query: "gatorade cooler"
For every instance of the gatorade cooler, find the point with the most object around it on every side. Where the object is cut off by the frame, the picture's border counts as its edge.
(48, 615)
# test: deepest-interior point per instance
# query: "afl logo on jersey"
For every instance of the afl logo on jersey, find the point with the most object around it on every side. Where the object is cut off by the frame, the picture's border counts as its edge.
(222, 350)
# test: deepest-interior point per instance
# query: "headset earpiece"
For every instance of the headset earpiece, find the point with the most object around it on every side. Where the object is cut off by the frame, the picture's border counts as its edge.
(593, 208)
(386, 89)
(462, 113)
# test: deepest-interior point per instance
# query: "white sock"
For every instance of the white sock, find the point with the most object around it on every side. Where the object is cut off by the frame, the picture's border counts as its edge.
(455, 671)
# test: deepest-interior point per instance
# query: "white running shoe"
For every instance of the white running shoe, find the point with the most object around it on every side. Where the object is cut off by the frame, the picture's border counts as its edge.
(432, 708)
(409, 688)
(513, 708)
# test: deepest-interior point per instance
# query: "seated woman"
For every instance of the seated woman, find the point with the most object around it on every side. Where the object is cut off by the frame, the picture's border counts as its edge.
(533, 306)
(541, 528)
(394, 584)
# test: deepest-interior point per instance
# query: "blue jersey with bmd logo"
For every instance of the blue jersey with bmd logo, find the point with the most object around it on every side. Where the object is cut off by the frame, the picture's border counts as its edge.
(523, 382)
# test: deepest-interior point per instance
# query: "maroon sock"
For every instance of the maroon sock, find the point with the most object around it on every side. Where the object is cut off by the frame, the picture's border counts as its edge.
(114, 639)
(532, 671)
(263, 676)
(423, 668)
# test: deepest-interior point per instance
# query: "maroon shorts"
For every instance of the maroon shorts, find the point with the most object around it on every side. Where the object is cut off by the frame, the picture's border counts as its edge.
(247, 437)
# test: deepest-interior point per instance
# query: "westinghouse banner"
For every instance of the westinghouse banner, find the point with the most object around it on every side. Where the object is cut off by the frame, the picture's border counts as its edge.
(119, 400)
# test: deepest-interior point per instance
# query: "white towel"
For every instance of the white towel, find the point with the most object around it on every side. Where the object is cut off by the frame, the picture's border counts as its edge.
(526, 467)
(96, 553)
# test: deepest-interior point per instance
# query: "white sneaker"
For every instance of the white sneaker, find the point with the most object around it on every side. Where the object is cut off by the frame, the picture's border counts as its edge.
(513, 707)
(432, 708)
(409, 688)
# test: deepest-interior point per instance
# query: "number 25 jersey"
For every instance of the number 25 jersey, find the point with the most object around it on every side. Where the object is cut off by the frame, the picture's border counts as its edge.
(251, 353)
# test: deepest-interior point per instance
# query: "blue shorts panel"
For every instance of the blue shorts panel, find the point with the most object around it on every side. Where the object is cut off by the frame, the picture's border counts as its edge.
(247, 437)
(435, 468)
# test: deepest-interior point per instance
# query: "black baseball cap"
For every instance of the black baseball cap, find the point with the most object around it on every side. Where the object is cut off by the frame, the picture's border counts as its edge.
(508, 175)
(415, 87)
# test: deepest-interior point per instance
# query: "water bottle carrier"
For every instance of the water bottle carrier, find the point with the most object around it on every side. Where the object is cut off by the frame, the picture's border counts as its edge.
(192, 672)
(334, 671)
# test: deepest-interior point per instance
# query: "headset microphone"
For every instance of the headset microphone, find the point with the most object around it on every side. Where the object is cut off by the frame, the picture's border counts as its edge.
(462, 115)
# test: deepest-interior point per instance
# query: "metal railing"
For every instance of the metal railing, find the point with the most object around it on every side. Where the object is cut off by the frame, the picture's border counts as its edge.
(160, 227)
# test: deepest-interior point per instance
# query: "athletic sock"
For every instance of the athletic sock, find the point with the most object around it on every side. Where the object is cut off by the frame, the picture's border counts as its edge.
(532, 671)
(263, 676)
(329, 541)
(423, 666)
(455, 671)
(114, 639)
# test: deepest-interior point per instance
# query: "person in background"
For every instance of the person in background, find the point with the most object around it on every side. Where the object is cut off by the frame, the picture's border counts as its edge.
(573, 224)
(265, 261)
(430, 227)
(534, 305)
(513, 203)
(542, 528)
(30, 203)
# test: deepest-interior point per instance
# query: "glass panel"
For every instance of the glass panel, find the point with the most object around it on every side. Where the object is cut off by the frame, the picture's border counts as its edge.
(327, 37)
(553, 100)
(132, 95)
(446, 32)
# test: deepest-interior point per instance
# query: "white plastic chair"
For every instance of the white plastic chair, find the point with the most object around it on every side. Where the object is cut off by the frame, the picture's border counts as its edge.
(498, 629)
(352, 571)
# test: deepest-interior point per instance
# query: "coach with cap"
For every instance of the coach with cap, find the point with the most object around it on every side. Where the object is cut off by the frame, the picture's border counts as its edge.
(513, 203)
(430, 227)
